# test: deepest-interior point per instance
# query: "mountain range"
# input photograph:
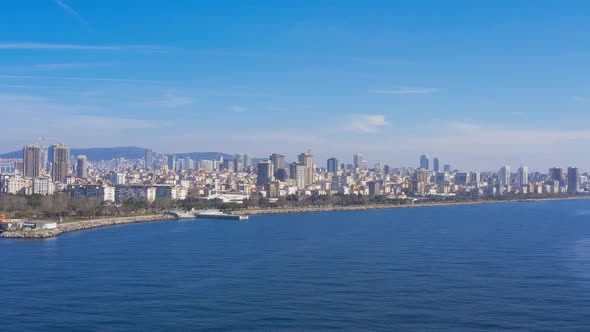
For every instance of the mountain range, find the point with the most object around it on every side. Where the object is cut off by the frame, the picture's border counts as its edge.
(128, 152)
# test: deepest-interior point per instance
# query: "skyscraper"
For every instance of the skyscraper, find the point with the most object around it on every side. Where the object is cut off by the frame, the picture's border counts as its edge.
(82, 167)
(278, 162)
(61, 162)
(523, 176)
(247, 161)
(435, 164)
(306, 159)
(148, 159)
(172, 163)
(424, 162)
(556, 174)
(357, 160)
(239, 162)
(264, 172)
(298, 172)
(504, 175)
(332, 165)
(573, 180)
(32, 161)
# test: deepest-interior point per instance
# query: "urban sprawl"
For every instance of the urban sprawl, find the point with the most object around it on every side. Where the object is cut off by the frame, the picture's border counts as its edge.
(243, 182)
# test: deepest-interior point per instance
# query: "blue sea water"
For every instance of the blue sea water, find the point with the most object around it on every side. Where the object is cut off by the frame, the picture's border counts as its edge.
(513, 266)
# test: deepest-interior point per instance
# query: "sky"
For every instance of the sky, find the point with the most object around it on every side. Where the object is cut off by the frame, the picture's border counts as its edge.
(479, 84)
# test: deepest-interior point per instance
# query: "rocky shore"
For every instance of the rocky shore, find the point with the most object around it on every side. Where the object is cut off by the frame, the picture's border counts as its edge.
(385, 206)
(83, 225)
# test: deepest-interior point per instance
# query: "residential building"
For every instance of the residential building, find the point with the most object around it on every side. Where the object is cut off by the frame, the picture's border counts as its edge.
(61, 162)
(32, 161)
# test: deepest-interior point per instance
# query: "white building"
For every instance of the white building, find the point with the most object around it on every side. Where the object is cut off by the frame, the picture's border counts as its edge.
(43, 186)
(124, 193)
(523, 175)
(14, 185)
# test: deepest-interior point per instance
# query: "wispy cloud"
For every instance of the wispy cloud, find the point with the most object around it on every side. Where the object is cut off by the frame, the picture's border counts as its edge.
(71, 11)
(376, 61)
(237, 109)
(582, 100)
(463, 126)
(73, 78)
(55, 66)
(169, 101)
(79, 47)
(404, 91)
(365, 123)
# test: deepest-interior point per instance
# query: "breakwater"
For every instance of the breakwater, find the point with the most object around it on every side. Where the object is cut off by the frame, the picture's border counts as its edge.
(82, 225)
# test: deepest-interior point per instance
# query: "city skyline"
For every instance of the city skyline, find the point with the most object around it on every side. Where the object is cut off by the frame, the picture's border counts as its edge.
(389, 81)
(432, 163)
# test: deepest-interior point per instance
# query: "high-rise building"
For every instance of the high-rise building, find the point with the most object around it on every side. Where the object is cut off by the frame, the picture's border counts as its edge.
(247, 161)
(435, 164)
(523, 176)
(447, 168)
(332, 165)
(423, 176)
(61, 162)
(206, 165)
(357, 160)
(172, 163)
(424, 162)
(373, 188)
(504, 175)
(573, 180)
(306, 159)
(239, 162)
(189, 163)
(32, 161)
(82, 167)
(264, 172)
(556, 174)
(229, 165)
(278, 162)
(298, 172)
(462, 178)
(148, 159)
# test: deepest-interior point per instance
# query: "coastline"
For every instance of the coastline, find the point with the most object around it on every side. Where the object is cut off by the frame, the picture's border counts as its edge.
(261, 211)
(97, 223)
(83, 225)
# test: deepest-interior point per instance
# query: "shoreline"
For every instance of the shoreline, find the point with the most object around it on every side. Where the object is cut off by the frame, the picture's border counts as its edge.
(83, 225)
(97, 223)
(262, 211)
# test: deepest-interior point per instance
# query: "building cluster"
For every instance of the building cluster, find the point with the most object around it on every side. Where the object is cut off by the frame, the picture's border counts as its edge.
(48, 171)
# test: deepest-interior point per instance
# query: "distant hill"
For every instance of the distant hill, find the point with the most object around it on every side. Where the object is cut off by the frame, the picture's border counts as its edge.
(128, 152)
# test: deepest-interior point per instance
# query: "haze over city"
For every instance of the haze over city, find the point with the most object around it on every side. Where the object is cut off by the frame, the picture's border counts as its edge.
(479, 85)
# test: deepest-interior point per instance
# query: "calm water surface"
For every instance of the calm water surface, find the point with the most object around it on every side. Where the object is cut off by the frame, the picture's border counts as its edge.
(515, 266)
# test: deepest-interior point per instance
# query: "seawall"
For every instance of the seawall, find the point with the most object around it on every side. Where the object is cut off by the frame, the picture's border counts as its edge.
(83, 225)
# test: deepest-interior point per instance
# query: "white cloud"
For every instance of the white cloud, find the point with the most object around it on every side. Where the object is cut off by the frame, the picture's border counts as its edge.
(72, 78)
(55, 66)
(71, 11)
(237, 109)
(404, 91)
(78, 47)
(365, 123)
(169, 101)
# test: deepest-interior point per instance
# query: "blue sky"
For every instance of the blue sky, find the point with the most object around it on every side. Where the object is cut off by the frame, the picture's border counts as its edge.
(477, 83)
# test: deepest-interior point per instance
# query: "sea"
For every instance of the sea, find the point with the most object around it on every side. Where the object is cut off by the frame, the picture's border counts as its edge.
(489, 267)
